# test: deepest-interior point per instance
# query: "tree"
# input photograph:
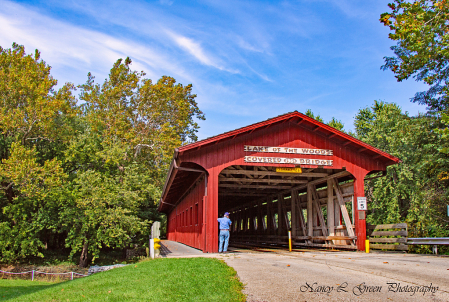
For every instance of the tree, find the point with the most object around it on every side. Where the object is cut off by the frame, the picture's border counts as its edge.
(32, 210)
(421, 30)
(120, 155)
(31, 109)
(32, 113)
(337, 124)
(106, 203)
(89, 176)
(103, 211)
(150, 120)
(413, 191)
(32, 126)
(309, 113)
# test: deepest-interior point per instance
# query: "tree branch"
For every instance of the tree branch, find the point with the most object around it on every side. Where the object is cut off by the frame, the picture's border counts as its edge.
(8, 186)
(139, 148)
(40, 137)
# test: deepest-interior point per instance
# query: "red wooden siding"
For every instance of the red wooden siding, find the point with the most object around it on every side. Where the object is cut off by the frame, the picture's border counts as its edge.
(291, 130)
(184, 223)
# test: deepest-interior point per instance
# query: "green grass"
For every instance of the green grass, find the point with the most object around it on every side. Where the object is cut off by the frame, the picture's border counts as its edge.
(187, 279)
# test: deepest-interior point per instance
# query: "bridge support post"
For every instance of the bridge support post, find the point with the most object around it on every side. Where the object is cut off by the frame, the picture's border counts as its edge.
(360, 216)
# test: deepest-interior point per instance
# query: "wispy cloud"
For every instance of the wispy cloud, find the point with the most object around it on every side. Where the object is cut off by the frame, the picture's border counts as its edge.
(247, 45)
(194, 48)
(68, 45)
(352, 9)
(247, 60)
(224, 48)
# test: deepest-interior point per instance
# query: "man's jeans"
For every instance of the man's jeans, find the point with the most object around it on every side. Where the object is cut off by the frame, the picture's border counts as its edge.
(224, 237)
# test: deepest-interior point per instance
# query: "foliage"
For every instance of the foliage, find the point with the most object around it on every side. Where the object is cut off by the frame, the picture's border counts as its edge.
(128, 131)
(31, 110)
(309, 113)
(149, 119)
(412, 191)
(188, 279)
(103, 211)
(337, 124)
(421, 30)
(416, 190)
(33, 119)
(85, 176)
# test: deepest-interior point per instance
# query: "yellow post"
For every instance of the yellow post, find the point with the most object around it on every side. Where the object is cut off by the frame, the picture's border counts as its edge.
(367, 245)
(290, 241)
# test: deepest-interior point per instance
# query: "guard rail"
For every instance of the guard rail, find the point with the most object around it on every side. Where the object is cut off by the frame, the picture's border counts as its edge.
(430, 241)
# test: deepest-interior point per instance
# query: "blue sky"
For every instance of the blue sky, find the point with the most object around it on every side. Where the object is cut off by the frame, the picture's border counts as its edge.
(247, 60)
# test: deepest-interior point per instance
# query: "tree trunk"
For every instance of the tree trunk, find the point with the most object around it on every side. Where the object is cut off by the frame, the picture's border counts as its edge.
(9, 192)
(83, 258)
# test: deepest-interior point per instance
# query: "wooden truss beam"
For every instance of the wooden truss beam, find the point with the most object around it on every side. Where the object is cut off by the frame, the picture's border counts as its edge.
(343, 209)
(319, 210)
(324, 179)
(249, 172)
(248, 186)
(301, 214)
(242, 194)
(304, 186)
(260, 180)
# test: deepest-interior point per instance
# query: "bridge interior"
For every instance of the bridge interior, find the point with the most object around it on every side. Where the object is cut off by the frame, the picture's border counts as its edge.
(314, 204)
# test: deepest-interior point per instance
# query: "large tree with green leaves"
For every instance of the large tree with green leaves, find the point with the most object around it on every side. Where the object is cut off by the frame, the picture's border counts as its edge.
(33, 125)
(421, 29)
(32, 112)
(416, 190)
(147, 119)
(118, 160)
(90, 173)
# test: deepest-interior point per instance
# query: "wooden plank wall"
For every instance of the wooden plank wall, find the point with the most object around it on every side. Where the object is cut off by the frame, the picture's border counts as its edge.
(185, 222)
(388, 236)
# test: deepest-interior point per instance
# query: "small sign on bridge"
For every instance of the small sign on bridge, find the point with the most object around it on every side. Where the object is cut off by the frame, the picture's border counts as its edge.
(289, 170)
(361, 204)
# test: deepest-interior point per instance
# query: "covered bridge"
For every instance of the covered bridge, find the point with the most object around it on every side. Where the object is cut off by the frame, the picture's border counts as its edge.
(290, 172)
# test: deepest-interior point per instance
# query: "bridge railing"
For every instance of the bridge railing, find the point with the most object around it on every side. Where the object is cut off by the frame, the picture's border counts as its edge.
(435, 242)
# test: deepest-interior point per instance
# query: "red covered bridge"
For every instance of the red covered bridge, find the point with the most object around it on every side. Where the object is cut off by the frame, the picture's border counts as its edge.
(290, 172)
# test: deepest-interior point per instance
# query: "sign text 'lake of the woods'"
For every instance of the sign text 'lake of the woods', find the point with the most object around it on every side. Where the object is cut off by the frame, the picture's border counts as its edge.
(285, 160)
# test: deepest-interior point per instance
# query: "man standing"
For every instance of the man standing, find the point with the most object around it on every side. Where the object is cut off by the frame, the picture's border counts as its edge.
(225, 224)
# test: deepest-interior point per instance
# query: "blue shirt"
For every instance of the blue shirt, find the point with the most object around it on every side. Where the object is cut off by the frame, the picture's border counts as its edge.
(225, 223)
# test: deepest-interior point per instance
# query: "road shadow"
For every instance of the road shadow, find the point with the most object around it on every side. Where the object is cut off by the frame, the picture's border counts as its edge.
(164, 250)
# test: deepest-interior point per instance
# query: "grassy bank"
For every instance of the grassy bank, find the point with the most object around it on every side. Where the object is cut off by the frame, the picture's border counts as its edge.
(188, 279)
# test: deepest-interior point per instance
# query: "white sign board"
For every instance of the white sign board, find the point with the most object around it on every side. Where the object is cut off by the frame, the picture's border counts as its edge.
(283, 160)
(361, 204)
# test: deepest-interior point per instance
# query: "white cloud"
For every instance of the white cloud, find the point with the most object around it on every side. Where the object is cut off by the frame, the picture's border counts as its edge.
(194, 48)
(248, 46)
(63, 44)
(353, 9)
(247, 60)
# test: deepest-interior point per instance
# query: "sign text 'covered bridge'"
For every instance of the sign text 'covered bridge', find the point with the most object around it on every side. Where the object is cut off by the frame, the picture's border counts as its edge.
(290, 172)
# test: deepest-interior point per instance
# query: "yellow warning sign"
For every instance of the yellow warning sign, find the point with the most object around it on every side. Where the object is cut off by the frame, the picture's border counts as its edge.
(289, 170)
